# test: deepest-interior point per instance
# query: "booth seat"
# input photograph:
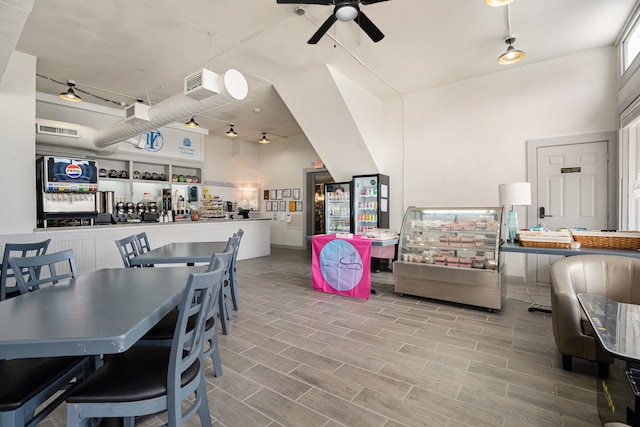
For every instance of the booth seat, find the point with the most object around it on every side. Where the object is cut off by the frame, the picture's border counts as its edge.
(616, 277)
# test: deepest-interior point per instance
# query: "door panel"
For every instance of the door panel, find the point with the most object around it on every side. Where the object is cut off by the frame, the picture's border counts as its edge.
(572, 188)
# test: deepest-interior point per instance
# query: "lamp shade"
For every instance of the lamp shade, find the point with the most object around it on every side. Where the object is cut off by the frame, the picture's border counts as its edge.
(515, 194)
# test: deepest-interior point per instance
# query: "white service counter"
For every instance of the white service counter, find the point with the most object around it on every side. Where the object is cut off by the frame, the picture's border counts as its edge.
(94, 247)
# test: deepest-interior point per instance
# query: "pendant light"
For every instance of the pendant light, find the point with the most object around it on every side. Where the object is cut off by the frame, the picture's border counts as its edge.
(264, 139)
(231, 133)
(192, 124)
(497, 3)
(512, 55)
(70, 95)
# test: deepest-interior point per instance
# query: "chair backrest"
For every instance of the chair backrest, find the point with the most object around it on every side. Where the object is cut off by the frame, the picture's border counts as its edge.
(128, 249)
(188, 340)
(226, 259)
(18, 250)
(43, 269)
(142, 242)
(234, 243)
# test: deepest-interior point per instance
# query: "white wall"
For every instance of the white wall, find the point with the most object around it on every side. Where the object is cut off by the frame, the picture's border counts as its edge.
(231, 159)
(465, 138)
(17, 142)
(281, 166)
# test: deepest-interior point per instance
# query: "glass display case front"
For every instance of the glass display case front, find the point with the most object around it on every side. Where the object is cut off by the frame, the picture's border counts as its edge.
(454, 238)
(337, 204)
(370, 203)
(451, 254)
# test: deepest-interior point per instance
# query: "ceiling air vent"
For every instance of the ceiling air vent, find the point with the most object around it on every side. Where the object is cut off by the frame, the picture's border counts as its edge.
(201, 84)
(136, 113)
(59, 131)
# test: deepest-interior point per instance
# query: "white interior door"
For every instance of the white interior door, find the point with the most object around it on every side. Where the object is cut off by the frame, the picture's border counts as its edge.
(572, 190)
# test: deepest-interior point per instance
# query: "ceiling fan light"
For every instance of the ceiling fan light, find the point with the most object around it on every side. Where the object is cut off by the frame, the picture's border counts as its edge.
(264, 139)
(231, 133)
(497, 3)
(346, 13)
(70, 95)
(192, 124)
(512, 55)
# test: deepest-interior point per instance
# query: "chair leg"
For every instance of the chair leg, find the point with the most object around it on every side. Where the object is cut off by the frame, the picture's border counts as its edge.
(603, 370)
(566, 362)
(203, 409)
(215, 356)
(234, 292)
(221, 313)
(227, 304)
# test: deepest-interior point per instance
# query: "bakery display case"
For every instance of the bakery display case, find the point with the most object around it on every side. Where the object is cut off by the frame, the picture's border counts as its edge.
(451, 254)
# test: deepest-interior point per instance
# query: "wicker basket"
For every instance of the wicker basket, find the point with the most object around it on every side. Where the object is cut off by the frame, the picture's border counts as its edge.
(545, 239)
(607, 239)
(539, 244)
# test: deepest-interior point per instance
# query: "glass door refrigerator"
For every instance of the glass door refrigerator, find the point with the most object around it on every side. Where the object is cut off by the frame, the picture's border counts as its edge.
(337, 205)
(370, 203)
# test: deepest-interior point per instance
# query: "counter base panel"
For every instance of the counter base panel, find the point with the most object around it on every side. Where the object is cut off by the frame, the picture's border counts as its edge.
(481, 288)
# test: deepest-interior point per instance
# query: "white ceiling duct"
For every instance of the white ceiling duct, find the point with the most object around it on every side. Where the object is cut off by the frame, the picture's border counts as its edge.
(225, 88)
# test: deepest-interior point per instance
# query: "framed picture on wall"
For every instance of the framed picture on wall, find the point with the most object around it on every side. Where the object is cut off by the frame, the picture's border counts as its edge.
(268, 206)
(286, 193)
(298, 206)
(278, 194)
(283, 206)
(292, 206)
(295, 195)
(272, 194)
(266, 195)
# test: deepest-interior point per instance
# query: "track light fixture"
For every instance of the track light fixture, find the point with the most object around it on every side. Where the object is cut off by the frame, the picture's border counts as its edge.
(264, 139)
(512, 55)
(231, 133)
(497, 3)
(192, 124)
(70, 95)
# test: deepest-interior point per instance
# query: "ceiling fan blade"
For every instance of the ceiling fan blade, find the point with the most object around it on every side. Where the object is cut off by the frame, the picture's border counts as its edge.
(369, 27)
(366, 2)
(323, 29)
(323, 2)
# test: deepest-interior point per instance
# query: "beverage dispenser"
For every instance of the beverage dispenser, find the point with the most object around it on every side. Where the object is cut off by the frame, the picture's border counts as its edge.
(66, 191)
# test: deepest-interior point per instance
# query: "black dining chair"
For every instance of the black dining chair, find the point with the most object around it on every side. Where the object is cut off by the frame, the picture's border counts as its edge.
(17, 250)
(32, 388)
(150, 379)
(128, 249)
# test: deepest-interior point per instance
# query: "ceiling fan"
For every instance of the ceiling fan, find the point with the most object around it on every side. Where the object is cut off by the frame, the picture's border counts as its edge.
(344, 10)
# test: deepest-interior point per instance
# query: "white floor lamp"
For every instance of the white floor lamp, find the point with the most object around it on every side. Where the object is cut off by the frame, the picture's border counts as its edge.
(514, 194)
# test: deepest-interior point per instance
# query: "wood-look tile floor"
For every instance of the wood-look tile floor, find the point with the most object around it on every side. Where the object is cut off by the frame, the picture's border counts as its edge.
(297, 357)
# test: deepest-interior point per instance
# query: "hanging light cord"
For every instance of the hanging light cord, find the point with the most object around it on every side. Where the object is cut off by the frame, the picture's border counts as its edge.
(508, 21)
(89, 93)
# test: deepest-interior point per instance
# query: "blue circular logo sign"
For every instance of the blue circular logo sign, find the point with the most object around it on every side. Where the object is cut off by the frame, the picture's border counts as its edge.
(341, 265)
(155, 141)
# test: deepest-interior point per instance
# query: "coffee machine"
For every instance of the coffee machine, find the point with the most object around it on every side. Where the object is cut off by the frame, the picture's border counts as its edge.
(66, 191)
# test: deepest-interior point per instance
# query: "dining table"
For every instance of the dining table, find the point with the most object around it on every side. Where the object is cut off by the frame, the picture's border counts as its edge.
(188, 253)
(101, 312)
